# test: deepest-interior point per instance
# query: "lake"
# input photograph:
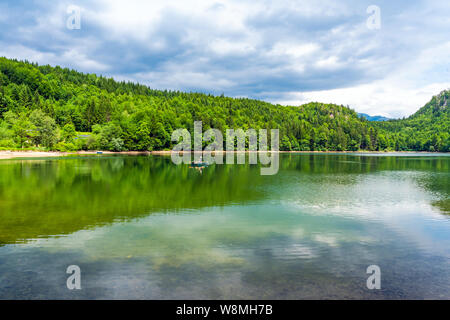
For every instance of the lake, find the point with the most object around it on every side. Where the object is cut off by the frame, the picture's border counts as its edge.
(140, 227)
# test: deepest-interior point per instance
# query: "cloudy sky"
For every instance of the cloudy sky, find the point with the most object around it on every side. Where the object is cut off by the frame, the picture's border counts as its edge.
(287, 52)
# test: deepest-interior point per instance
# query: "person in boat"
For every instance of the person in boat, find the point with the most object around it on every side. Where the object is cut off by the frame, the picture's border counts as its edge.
(198, 164)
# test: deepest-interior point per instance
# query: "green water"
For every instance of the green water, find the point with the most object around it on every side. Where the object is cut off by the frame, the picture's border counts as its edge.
(141, 227)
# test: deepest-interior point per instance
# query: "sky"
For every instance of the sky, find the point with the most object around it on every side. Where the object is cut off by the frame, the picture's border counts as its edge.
(378, 57)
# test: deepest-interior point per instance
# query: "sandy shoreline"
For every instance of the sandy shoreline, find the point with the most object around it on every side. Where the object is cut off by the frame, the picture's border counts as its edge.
(45, 154)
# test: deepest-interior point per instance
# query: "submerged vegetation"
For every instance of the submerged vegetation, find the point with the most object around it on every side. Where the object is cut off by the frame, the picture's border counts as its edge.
(52, 108)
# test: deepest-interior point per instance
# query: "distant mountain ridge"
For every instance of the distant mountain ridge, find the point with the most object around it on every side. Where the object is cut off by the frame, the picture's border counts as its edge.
(373, 118)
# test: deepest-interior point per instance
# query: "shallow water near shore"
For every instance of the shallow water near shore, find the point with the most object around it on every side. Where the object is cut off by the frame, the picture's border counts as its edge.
(140, 227)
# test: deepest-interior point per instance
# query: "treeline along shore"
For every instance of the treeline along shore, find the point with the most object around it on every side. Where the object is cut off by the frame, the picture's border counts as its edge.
(7, 155)
(45, 108)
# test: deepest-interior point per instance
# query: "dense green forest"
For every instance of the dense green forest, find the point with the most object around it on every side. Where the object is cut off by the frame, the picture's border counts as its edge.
(51, 108)
(426, 130)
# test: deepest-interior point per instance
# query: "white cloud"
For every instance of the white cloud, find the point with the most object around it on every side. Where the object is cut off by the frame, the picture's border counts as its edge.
(282, 51)
(227, 47)
(329, 63)
(70, 57)
(402, 92)
(293, 50)
(383, 98)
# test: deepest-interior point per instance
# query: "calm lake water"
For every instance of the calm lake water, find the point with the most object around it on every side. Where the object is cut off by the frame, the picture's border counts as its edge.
(140, 227)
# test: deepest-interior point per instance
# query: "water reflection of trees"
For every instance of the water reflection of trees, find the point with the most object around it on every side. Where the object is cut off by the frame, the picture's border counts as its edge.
(437, 179)
(40, 198)
(53, 197)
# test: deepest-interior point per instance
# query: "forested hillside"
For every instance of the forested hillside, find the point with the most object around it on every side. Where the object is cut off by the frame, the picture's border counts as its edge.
(426, 130)
(60, 109)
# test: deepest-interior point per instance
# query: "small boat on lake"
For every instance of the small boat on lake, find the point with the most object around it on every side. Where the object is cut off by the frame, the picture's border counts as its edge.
(196, 164)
